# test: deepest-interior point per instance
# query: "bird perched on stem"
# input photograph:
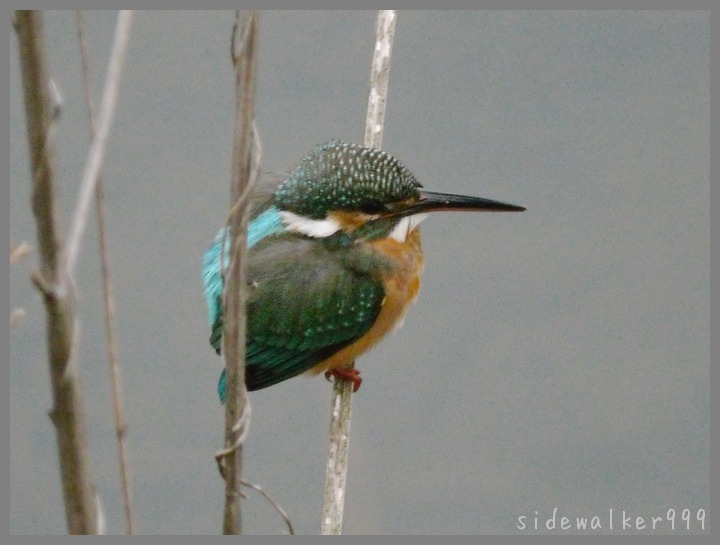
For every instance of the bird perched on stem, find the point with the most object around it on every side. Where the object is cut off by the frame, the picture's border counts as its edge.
(334, 261)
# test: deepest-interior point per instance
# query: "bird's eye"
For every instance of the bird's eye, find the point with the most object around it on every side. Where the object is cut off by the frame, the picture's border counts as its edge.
(372, 207)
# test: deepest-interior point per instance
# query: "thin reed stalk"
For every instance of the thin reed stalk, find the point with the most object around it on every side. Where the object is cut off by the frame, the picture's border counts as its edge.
(54, 279)
(108, 302)
(245, 167)
(337, 462)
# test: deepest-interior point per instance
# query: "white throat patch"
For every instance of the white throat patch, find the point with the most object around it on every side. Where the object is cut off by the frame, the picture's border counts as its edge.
(405, 226)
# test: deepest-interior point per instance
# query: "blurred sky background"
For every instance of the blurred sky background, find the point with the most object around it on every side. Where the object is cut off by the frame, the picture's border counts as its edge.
(554, 358)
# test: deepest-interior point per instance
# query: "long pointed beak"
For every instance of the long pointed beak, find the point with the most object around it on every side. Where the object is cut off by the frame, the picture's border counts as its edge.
(431, 201)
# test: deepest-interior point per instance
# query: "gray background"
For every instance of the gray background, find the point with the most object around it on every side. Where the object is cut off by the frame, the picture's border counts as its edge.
(555, 358)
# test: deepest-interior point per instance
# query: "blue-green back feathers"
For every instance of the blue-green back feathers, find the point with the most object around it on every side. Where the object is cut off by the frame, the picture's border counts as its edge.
(265, 224)
(306, 301)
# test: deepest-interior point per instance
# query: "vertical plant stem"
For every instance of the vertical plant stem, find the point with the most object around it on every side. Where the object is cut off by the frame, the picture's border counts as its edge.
(336, 470)
(233, 349)
(66, 414)
(379, 78)
(109, 304)
(96, 153)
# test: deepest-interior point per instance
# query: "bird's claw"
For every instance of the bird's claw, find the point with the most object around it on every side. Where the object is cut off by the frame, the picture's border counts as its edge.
(351, 374)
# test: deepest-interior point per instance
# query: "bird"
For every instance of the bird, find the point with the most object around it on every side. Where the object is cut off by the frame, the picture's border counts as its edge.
(334, 261)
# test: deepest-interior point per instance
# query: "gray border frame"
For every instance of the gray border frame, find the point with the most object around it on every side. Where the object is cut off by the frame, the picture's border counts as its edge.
(4, 370)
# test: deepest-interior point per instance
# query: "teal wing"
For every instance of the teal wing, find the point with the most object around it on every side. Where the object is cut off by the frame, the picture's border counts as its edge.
(306, 301)
(264, 224)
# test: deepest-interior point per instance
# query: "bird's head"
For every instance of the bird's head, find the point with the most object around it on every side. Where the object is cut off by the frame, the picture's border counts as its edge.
(356, 193)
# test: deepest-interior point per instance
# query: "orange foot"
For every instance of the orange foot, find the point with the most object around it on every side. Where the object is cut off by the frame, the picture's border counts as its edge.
(353, 375)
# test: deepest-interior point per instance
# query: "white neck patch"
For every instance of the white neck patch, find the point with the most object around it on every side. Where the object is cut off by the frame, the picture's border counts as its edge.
(405, 226)
(307, 226)
(296, 223)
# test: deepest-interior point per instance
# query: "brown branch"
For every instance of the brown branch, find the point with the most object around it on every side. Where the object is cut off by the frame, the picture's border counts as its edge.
(108, 301)
(336, 470)
(233, 349)
(66, 414)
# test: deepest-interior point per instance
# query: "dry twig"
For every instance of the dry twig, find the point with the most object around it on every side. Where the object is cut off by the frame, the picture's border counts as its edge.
(96, 153)
(336, 471)
(54, 279)
(244, 169)
(276, 505)
(108, 301)
(67, 414)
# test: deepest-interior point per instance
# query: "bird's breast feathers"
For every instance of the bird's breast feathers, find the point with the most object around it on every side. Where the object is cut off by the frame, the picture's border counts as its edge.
(401, 285)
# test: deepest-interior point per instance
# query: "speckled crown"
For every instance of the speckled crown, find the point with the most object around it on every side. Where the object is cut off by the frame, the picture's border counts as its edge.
(343, 176)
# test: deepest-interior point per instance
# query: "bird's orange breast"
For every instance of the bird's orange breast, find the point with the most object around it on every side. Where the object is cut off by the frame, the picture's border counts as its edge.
(401, 283)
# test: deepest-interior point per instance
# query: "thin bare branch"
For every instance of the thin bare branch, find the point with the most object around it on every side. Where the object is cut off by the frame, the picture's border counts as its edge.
(96, 153)
(276, 505)
(67, 414)
(336, 470)
(108, 302)
(220, 459)
(242, 427)
(245, 162)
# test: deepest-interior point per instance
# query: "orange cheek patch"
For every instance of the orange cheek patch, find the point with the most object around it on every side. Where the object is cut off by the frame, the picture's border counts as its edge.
(349, 221)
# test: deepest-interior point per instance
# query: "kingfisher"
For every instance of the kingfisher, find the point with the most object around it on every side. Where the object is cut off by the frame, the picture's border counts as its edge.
(334, 261)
